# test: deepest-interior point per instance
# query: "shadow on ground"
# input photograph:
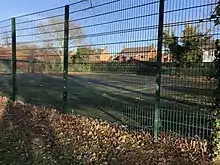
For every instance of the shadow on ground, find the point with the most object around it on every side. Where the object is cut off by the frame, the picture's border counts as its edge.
(127, 99)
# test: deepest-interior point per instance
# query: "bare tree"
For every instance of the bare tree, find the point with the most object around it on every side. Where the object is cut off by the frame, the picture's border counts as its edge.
(216, 13)
(6, 38)
(51, 33)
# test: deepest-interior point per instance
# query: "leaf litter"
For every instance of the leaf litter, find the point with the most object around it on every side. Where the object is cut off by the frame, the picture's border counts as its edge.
(38, 135)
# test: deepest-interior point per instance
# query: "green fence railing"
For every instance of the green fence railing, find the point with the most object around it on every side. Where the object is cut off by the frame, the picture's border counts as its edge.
(107, 60)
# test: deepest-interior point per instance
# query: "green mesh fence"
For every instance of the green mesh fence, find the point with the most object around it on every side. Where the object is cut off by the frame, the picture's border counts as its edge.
(102, 59)
(39, 50)
(5, 58)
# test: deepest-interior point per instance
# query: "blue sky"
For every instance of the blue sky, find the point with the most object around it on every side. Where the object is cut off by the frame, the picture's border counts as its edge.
(139, 30)
(10, 8)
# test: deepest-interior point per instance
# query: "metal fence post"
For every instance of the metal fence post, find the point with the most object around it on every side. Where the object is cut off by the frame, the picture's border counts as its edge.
(14, 60)
(159, 67)
(65, 56)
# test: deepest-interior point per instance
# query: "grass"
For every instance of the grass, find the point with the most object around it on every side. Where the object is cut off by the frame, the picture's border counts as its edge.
(125, 98)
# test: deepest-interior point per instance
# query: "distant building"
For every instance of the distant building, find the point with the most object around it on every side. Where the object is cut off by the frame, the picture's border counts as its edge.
(208, 56)
(26, 56)
(208, 51)
(5, 53)
(147, 53)
(100, 55)
(96, 55)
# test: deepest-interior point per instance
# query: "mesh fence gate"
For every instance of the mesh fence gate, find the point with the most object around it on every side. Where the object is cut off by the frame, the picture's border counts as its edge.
(111, 50)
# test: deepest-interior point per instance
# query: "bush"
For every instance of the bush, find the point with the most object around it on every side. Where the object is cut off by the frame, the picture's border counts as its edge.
(194, 69)
(80, 67)
(146, 68)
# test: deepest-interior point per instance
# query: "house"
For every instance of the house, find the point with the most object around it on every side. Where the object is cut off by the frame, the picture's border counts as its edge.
(208, 56)
(100, 55)
(44, 55)
(94, 55)
(208, 51)
(5, 54)
(147, 53)
(26, 56)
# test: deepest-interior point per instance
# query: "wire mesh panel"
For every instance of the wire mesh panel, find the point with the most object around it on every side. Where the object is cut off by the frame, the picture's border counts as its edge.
(187, 75)
(5, 58)
(112, 66)
(111, 49)
(40, 57)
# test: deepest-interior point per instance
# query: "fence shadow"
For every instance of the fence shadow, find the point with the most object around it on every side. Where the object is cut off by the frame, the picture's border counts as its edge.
(114, 99)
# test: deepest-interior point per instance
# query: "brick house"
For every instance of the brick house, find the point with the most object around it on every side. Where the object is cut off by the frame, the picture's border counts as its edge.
(6, 54)
(100, 55)
(24, 57)
(147, 53)
(95, 55)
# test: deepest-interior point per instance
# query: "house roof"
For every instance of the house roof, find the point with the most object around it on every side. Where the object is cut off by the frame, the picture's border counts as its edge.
(138, 49)
(96, 52)
(5, 53)
(42, 53)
